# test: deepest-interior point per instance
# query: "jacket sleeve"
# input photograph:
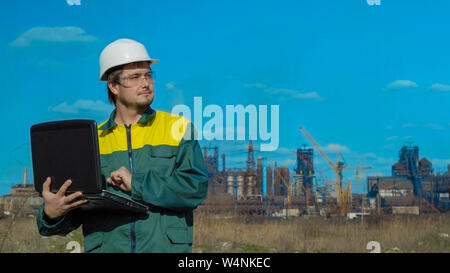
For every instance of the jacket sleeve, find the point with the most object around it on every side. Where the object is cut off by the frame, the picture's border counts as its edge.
(63, 226)
(185, 188)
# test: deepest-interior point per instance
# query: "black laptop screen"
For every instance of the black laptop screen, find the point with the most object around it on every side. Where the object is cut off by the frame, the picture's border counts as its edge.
(66, 150)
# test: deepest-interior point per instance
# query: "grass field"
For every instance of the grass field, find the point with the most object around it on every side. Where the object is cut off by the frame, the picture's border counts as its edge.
(424, 233)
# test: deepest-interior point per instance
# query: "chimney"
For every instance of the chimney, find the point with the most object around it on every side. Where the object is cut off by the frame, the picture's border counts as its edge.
(223, 163)
(24, 177)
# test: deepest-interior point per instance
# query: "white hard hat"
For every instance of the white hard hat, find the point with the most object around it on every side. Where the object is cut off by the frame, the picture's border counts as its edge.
(122, 51)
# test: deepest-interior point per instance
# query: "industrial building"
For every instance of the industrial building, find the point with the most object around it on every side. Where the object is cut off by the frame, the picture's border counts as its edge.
(413, 183)
(255, 189)
(258, 190)
(412, 188)
(23, 201)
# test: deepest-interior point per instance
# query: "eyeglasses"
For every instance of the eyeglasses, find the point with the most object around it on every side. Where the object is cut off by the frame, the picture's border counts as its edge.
(134, 80)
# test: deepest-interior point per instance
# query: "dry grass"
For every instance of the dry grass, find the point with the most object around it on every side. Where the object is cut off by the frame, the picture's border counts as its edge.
(425, 233)
(21, 236)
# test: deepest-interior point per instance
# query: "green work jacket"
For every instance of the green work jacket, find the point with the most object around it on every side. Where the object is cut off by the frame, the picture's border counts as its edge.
(169, 175)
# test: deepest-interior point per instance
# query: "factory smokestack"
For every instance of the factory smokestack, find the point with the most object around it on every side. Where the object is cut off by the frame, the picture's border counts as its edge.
(25, 177)
(223, 163)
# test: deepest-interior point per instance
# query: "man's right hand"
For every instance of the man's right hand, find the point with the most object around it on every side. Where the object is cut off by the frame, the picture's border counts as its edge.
(58, 204)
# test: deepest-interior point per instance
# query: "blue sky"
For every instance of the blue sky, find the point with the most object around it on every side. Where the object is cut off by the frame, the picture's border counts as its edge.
(363, 80)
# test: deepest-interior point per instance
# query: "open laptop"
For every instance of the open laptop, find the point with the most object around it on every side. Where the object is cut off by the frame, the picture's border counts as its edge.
(69, 150)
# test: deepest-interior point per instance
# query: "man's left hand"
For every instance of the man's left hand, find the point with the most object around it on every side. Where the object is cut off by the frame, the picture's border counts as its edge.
(121, 178)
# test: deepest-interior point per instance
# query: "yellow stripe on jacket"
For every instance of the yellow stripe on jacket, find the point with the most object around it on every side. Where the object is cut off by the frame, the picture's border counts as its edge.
(164, 129)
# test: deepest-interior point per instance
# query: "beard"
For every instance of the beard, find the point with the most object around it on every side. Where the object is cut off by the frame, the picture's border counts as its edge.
(141, 103)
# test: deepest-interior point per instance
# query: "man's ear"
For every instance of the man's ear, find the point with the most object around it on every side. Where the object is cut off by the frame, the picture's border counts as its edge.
(113, 87)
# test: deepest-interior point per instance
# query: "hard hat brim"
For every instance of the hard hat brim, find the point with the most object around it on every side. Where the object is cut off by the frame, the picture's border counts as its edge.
(104, 76)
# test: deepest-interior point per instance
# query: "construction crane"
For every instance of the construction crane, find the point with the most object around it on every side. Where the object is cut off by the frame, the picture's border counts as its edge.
(347, 195)
(292, 190)
(364, 190)
(357, 171)
(338, 167)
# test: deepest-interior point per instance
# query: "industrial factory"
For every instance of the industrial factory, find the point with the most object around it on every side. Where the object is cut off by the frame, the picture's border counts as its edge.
(269, 190)
(23, 201)
(413, 187)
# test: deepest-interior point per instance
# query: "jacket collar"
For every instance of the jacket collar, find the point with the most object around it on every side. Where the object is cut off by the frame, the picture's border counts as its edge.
(146, 116)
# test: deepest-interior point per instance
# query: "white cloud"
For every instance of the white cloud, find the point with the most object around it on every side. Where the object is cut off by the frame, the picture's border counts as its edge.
(52, 34)
(79, 105)
(174, 95)
(409, 125)
(433, 126)
(440, 87)
(293, 94)
(284, 93)
(401, 84)
(73, 2)
(336, 148)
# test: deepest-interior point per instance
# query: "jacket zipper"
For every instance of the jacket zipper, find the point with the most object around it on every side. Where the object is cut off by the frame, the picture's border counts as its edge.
(131, 165)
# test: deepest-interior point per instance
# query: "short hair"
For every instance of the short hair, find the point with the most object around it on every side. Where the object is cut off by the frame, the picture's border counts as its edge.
(114, 77)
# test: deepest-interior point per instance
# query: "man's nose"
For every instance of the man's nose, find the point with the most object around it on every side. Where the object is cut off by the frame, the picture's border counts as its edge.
(145, 83)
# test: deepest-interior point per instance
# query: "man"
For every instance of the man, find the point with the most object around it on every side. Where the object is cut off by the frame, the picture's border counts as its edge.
(146, 154)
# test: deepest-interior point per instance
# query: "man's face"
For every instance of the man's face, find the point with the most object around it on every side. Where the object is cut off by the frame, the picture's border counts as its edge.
(135, 90)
